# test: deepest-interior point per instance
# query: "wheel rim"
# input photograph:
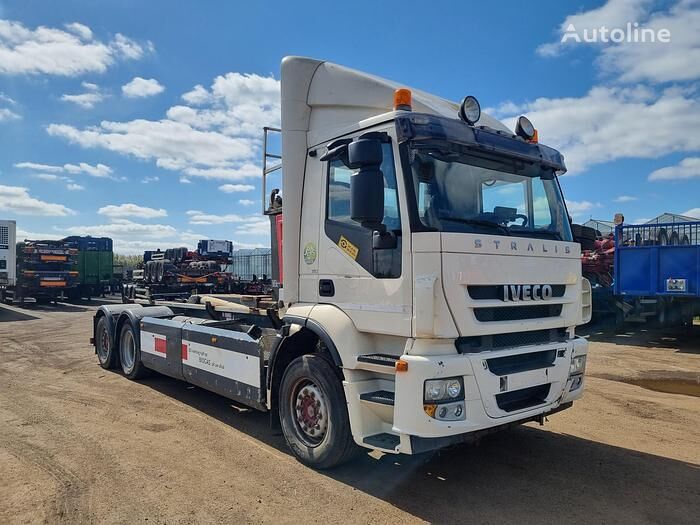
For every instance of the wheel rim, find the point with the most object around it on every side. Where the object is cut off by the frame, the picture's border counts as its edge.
(310, 412)
(128, 350)
(103, 346)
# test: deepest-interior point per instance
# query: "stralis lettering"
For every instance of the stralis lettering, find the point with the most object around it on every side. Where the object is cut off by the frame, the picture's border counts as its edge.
(515, 246)
(527, 292)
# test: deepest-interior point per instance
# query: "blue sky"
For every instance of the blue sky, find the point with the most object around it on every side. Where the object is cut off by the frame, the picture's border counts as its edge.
(105, 132)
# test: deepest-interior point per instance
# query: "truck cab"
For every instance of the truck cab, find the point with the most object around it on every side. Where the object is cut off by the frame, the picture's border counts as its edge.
(412, 233)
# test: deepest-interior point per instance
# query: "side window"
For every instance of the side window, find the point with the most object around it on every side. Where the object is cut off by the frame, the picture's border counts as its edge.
(542, 213)
(385, 263)
(339, 192)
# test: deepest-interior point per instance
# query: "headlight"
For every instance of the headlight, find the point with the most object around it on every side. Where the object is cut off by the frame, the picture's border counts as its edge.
(449, 389)
(578, 365)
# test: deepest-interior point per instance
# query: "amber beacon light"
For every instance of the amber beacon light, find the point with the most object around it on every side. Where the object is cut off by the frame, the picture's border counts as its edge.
(402, 99)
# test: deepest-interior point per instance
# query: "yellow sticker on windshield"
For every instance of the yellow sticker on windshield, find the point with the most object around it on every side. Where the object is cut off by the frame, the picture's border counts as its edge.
(348, 247)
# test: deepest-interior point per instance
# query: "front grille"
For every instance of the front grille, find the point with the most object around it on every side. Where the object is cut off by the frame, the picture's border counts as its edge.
(513, 364)
(495, 291)
(480, 343)
(517, 313)
(521, 399)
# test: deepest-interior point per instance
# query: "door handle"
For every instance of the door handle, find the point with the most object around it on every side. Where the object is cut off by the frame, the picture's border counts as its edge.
(326, 288)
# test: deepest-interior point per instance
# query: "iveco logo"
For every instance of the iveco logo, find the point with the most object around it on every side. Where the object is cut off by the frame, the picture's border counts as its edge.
(527, 292)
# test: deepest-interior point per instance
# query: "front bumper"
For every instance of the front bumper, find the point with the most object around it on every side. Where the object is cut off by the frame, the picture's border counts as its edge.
(482, 408)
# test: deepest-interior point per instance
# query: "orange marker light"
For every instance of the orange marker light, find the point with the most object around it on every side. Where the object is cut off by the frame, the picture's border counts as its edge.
(401, 366)
(402, 99)
(430, 409)
(534, 138)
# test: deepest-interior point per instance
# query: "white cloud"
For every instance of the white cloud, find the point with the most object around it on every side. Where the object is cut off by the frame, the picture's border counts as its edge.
(148, 180)
(81, 30)
(40, 167)
(246, 202)
(694, 212)
(47, 176)
(8, 100)
(625, 198)
(185, 180)
(233, 188)
(16, 199)
(131, 210)
(596, 127)
(655, 62)
(678, 60)
(246, 171)
(257, 226)
(219, 139)
(74, 187)
(85, 100)
(131, 237)
(99, 170)
(688, 168)
(142, 87)
(172, 145)
(198, 95)
(8, 114)
(200, 217)
(578, 208)
(614, 13)
(53, 51)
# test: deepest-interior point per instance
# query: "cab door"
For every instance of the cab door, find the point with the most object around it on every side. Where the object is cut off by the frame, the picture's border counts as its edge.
(371, 283)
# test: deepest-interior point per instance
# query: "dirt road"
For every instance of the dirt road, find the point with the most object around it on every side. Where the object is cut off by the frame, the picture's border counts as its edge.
(79, 444)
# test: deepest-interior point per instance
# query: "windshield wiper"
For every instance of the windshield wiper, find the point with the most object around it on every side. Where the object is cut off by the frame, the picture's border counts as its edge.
(476, 222)
(537, 233)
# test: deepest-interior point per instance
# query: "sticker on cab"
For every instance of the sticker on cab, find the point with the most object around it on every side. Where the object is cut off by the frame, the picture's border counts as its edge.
(348, 247)
(310, 253)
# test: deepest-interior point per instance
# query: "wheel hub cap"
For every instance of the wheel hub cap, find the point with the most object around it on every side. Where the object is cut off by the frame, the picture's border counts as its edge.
(311, 412)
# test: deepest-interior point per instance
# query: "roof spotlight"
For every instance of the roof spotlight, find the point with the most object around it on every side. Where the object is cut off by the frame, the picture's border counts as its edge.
(470, 110)
(525, 129)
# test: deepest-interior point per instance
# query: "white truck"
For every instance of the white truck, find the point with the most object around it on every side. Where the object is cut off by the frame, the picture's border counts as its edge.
(430, 287)
(8, 255)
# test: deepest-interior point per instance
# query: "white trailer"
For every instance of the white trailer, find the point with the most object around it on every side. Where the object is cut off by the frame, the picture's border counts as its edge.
(8, 254)
(431, 285)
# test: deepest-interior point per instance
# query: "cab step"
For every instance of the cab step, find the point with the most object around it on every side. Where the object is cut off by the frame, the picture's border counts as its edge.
(382, 397)
(384, 441)
(382, 363)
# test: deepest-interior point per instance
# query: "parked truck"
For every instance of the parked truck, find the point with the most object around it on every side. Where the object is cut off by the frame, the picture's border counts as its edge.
(657, 273)
(44, 270)
(176, 272)
(94, 263)
(8, 255)
(429, 283)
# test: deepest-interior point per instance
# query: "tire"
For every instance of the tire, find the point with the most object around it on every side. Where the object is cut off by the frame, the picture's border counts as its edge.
(159, 271)
(675, 239)
(130, 353)
(685, 240)
(308, 378)
(662, 237)
(104, 348)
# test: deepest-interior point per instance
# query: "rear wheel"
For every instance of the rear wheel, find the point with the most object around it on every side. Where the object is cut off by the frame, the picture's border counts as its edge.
(106, 353)
(313, 413)
(130, 353)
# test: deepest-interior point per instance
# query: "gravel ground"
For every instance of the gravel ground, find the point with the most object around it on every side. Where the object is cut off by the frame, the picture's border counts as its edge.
(80, 444)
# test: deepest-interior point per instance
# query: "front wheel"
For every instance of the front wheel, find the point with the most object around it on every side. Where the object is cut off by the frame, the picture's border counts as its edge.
(313, 413)
(130, 353)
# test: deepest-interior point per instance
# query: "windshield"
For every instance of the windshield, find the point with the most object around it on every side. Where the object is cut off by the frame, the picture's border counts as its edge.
(477, 193)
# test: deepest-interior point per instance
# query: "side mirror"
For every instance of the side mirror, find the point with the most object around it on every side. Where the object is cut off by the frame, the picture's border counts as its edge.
(367, 185)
